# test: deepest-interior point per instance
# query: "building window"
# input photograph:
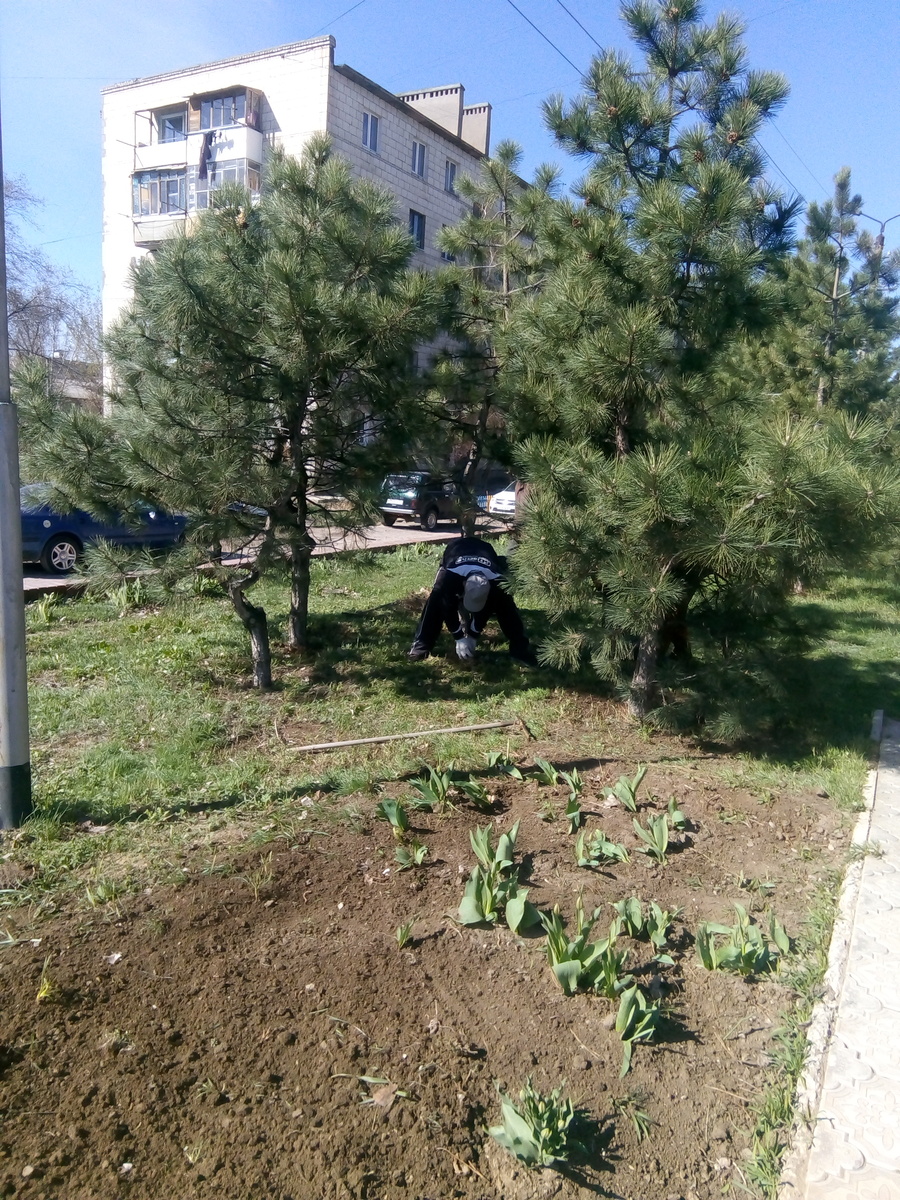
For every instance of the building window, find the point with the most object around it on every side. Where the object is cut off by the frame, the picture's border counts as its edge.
(223, 171)
(418, 159)
(417, 228)
(450, 176)
(446, 256)
(156, 192)
(171, 125)
(370, 132)
(222, 110)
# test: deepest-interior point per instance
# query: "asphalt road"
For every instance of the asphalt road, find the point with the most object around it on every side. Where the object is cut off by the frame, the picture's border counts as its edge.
(375, 537)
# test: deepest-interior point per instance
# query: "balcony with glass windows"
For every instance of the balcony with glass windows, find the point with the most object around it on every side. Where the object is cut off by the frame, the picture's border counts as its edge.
(159, 202)
(169, 196)
(225, 141)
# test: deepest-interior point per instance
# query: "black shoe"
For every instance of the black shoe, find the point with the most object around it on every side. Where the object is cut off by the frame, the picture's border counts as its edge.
(526, 657)
(417, 653)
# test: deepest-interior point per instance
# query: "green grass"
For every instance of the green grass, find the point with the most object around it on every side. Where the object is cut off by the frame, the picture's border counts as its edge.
(143, 719)
(140, 716)
(774, 1108)
(149, 711)
(832, 692)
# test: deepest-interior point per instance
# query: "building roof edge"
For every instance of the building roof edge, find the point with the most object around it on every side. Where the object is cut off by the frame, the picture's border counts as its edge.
(272, 52)
(389, 98)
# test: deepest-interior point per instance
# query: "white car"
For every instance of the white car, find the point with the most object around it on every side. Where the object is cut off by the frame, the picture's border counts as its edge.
(503, 504)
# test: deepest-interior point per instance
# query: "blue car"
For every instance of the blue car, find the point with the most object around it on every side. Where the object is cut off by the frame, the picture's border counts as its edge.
(56, 540)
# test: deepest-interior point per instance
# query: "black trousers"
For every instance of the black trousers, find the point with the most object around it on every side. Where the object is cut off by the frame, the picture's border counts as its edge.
(443, 608)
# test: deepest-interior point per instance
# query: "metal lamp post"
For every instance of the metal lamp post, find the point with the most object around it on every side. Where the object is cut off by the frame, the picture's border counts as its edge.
(15, 763)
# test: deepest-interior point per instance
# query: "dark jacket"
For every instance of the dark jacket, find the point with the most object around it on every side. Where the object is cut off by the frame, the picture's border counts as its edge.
(468, 553)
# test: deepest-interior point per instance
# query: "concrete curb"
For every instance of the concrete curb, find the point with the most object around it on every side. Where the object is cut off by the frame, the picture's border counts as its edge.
(809, 1086)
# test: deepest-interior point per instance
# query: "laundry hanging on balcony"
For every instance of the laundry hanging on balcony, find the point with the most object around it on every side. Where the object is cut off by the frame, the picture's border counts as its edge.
(206, 146)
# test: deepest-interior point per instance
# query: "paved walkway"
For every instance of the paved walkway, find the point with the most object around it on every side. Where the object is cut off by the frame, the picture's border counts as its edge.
(375, 537)
(855, 1151)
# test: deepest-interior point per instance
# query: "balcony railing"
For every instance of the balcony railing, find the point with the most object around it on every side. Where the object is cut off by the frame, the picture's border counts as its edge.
(229, 141)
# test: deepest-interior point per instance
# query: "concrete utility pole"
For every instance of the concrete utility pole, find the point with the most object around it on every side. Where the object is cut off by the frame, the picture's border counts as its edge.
(15, 763)
(879, 240)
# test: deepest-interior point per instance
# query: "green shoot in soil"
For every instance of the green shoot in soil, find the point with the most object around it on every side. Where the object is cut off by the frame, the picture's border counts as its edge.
(745, 949)
(546, 772)
(537, 1129)
(394, 812)
(573, 813)
(499, 761)
(631, 1105)
(572, 779)
(475, 791)
(629, 918)
(625, 790)
(412, 855)
(676, 817)
(637, 1020)
(434, 789)
(404, 932)
(655, 837)
(579, 963)
(493, 885)
(657, 925)
(596, 849)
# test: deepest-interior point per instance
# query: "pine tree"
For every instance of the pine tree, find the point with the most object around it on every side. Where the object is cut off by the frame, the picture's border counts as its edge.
(264, 368)
(834, 345)
(495, 261)
(661, 483)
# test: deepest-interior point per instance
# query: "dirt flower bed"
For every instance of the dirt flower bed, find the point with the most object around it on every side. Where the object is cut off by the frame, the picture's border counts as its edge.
(257, 1031)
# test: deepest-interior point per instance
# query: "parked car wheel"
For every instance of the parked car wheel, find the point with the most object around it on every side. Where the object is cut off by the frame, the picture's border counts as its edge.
(389, 520)
(429, 519)
(61, 554)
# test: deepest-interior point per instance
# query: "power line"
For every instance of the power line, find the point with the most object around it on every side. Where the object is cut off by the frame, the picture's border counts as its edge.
(579, 24)
(74, 237)
(516, 99)
(334, 20)
(770, 159)
(820, 185)
(770, 12)
(544, 36)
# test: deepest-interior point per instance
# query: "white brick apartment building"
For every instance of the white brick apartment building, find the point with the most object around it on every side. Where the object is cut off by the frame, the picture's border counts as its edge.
(168, 140)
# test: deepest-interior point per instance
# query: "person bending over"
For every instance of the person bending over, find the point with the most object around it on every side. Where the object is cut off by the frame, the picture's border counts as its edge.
(467, 592)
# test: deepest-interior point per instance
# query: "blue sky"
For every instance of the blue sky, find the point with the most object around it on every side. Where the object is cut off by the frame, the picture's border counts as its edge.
(841, 57)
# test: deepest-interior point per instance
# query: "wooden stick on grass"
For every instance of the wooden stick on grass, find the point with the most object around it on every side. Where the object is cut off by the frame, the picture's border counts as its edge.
(396, 737)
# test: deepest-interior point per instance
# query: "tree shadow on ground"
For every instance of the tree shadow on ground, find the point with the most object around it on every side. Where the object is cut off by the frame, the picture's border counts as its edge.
(801, 700)
(358, 647)
(823, 701)
(827, 697)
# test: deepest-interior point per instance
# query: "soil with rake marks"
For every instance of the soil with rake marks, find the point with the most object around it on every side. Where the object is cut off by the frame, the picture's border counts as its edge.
(259, 1033)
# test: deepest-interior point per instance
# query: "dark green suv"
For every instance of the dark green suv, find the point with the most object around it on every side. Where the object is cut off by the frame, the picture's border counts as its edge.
(418, 496)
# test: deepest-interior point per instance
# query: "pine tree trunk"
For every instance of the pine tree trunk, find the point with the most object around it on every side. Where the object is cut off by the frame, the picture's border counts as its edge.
(822, 396)
(254, 620)
(643, 681)
(298, 619)
(469, 511)
(302, 546)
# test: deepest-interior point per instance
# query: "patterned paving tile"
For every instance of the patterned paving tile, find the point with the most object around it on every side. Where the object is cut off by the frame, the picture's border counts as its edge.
(855, 1151)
